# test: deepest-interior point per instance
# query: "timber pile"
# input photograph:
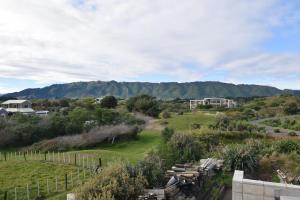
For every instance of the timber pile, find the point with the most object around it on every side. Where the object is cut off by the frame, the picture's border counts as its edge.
(185, 179)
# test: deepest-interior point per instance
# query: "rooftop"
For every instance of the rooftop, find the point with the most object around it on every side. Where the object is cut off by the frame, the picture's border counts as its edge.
(14, 102)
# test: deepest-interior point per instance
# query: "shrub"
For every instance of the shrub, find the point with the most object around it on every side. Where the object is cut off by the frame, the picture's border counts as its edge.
(290, 108)
(153, 170)
(117, 181)
(287, 146)
(109, 102)
(292, 133)
(277, 130)
(195, 126)
(241, 157)
(167, 133)
(145, 104)
(166, 115)
(185, 147)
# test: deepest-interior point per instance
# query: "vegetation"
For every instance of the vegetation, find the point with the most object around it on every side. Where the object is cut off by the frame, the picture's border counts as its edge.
(109, 102)
(117, 181)
(145, 104)
(160, 90)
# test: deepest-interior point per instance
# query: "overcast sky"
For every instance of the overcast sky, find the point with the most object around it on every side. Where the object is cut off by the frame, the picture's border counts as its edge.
(236, 41)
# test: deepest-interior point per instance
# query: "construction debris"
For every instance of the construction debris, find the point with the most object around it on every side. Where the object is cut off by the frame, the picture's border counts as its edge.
(186, 179)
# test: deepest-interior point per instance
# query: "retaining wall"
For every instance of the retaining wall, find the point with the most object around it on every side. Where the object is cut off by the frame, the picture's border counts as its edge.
(246, 189)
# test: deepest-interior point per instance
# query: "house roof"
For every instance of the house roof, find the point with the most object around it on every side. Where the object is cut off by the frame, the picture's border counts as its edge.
(14, 102)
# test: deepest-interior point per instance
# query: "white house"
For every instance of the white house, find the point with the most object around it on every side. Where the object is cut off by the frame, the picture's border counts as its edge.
(18, 106)
(216, 102)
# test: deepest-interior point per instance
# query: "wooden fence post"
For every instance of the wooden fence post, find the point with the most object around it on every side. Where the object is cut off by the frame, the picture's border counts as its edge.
(5, 156)
(24, 156)
(45, 156)
(66, 182)
(75, 159)
(5, 195)
(100, 162)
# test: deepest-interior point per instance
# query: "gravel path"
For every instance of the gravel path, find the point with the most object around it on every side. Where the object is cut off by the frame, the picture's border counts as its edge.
(270, 129)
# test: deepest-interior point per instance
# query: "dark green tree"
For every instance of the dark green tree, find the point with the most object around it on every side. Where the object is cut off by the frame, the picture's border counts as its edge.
(109, 102)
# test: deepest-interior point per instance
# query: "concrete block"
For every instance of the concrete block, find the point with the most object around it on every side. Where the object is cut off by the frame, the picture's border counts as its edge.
(253, 189)
(71, 196)
(252, 197)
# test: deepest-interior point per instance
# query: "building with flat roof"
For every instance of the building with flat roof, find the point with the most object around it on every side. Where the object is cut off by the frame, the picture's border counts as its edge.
(213, 101)
(18, 106)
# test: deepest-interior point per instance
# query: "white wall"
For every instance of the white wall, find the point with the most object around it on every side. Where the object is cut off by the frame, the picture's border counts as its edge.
(246, 189)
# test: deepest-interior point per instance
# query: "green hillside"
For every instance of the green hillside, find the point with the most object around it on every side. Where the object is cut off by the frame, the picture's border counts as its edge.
(167, 90)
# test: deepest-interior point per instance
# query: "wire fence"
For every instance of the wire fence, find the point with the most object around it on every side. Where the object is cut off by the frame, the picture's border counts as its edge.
(86, 167)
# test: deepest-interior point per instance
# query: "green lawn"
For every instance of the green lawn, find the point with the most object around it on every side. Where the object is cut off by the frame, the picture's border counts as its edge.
(183, 122)
(127, 150)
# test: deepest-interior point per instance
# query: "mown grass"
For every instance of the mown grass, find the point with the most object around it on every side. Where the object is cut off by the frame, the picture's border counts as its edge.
(184, 122)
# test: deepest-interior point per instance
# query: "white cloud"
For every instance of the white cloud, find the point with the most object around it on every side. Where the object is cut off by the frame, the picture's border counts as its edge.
(65, 40)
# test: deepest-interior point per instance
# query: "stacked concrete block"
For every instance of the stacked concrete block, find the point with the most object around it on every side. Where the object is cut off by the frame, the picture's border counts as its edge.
(246, 189)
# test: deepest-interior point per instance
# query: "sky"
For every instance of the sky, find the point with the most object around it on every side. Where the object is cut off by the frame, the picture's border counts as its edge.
(234, 41)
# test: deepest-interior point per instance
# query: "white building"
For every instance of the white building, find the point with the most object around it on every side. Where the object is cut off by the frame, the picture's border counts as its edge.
(216, 102)
(18, 106)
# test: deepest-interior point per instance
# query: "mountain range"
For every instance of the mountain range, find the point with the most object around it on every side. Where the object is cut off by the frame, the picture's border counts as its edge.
(164, 90)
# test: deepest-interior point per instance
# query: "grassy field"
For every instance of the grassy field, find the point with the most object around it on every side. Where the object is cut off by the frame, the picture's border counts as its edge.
(183, 122)
(14, 173)
(127, 150)
(17, 174)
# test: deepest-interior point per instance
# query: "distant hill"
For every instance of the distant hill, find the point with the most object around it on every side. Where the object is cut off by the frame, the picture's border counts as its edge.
(167, 90)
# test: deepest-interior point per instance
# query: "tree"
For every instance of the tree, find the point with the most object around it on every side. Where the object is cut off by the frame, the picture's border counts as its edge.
(144, 104)
(109, 102)
(290, 108)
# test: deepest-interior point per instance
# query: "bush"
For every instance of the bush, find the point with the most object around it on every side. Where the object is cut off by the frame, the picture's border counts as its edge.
(195, 126)
(290, 108)
(277, 130)
(292, 133)
(167, 133)
(287, 146)
(185, 147)
(109, 102)
(153, 170)
(166, 115)
(145, 104)
(241, 157)
(117, 181)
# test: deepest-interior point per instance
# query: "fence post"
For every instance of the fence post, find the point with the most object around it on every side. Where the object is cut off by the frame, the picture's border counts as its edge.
(45, 156)
(100, 162)
(5, 195)
(72, 184)
(75, 159)
(56, 184)
(24, 156)
(28, 196)
(16, 194)
(66, 182)
(48, 191)
(5, 156)
(38, 187)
